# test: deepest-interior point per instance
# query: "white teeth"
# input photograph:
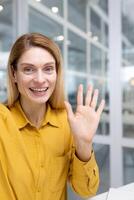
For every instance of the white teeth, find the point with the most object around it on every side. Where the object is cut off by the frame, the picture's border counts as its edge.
(39, 89)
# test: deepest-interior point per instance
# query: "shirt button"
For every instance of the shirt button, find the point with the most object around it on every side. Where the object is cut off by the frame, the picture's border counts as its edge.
(42, 166)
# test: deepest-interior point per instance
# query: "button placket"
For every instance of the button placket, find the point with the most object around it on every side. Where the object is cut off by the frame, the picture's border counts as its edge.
(40, 164)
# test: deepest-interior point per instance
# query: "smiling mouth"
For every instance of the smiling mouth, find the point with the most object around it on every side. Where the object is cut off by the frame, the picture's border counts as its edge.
(36, 90)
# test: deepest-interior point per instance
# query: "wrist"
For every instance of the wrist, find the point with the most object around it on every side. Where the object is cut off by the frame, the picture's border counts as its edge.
(83, 152)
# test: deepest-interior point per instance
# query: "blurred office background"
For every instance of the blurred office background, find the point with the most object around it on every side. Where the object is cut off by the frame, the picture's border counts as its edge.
(96, 38)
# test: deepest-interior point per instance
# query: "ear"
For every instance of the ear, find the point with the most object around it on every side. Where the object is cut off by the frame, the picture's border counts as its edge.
(14, 75)
(15, 79)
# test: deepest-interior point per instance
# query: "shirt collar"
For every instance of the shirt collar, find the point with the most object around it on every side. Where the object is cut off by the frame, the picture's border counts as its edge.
(51, 116)
(19, 116)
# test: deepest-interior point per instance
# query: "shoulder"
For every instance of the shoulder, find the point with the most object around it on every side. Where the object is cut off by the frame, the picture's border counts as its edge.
(4, 111)
(5, 117)
(61, 115)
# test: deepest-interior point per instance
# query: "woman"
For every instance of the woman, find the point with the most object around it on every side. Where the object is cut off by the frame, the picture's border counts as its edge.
(42, 142)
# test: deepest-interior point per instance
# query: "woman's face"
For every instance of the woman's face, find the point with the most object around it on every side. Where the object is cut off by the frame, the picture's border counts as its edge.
(36, 76)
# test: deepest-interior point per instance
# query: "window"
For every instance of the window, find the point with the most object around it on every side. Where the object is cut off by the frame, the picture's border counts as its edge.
(43, 24)
(6, 39)
(77, 13)
(76, 52)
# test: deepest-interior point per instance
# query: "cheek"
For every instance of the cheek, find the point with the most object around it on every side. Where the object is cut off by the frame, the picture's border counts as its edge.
(22, 82)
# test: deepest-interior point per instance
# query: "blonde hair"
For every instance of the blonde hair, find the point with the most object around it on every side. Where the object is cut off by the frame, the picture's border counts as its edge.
(21, 45)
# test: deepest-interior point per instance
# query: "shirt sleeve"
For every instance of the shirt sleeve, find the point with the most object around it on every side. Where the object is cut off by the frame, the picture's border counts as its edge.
(84, 176)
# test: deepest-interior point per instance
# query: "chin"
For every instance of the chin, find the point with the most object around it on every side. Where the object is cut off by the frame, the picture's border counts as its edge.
(39, 101)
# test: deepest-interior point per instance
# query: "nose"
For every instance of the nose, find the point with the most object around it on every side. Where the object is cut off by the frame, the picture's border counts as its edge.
(39, 77)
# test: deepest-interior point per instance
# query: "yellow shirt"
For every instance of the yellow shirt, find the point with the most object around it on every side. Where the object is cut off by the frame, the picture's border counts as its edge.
(36, 163)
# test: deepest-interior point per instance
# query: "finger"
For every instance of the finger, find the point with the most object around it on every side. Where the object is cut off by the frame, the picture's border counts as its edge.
(101, 107)
(69, 109)
(80, 95)
(94, 99)
(88, 95)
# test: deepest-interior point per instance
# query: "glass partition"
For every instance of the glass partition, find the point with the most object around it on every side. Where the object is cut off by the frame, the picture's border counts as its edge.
(128, 68)
(103, 157)
(55, 6)
(98, 25)
(6, 25)
(96, 60)
(95, 25)
(73, 82)
(77, 13)
(6, 39)
(128, 165)
(43, 24)
(76, 52)
(102, 85)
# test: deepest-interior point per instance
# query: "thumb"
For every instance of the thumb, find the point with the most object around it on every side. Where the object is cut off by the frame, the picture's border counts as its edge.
(69, 109)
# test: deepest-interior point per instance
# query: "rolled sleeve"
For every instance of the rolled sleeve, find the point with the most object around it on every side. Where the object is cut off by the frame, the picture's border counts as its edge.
(84, 176)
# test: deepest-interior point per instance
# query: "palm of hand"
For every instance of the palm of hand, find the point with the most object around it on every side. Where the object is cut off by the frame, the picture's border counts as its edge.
(85, 121)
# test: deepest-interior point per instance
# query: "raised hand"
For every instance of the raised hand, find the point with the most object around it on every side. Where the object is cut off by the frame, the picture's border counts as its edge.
(84, 121)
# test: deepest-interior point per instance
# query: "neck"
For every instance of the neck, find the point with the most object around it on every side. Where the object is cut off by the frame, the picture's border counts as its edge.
(34, 113)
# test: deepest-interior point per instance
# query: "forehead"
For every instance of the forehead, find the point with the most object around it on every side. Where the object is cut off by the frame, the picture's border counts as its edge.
(36, 54)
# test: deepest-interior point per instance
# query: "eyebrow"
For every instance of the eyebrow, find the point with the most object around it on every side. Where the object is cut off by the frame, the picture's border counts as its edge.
(48, 63)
